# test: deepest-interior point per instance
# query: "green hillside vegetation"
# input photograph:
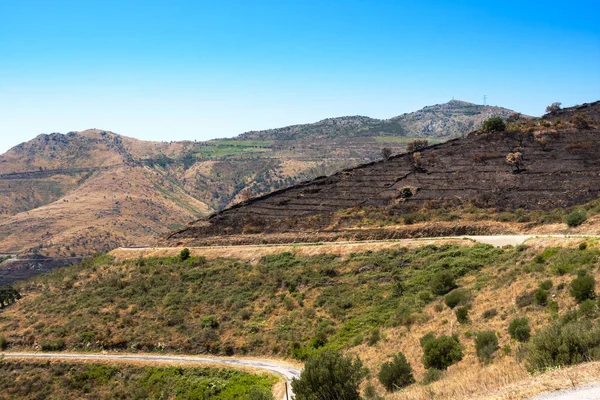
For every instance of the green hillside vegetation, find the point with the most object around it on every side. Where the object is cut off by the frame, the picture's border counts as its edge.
(59, 380)
(284, 304)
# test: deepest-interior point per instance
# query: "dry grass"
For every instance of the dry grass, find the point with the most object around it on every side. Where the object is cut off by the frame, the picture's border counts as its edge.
(255, 252)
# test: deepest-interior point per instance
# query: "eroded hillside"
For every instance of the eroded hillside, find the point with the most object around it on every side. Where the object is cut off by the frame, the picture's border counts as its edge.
(532, 165)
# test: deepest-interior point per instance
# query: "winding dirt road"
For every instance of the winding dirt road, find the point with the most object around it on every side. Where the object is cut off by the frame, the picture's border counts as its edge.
(287, 371)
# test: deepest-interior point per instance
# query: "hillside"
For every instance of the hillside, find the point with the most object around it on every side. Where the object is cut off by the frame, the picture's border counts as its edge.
(299, 302)
(533, 165)
(83, 192)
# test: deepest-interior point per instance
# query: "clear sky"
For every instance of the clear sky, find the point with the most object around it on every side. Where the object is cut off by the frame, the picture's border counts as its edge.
(171, 70)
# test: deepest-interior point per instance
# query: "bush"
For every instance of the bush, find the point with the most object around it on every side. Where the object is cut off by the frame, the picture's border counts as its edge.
(583, 287)
(541, 297)
(374, 337)
(487, 314)
(442, 352)
(495, 124)
(53, 345)
(396, 374)
(519, 329)
(546, 285)
(462, 314)
(184, 254)
(442, 282)
(432, 375)
(486, 344)
(455, 297)
(416, 145)
(587, 309)
(525, 299)
(330, 375)
(3, 343)
(209, 321)
(575, 218)
(581, 121)
(565, 343)
(258, 393)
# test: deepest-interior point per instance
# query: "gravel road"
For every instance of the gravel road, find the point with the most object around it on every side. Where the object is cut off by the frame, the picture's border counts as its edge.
(589, 392)
(286, 371)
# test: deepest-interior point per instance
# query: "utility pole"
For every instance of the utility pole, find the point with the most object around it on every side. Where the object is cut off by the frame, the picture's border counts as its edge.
(484, 100)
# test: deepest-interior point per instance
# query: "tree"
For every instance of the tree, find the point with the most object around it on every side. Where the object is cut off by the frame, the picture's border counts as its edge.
(396, 374)
(442, 352)
(582, 287)
(8, 295)
(516, 160)
(495, 124)
(184, 254)
(386, 152)
(330, 376)
(554, 107)
(417, 145)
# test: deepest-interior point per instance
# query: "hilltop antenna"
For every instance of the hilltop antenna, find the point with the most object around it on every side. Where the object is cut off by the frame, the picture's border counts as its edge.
(484, 99)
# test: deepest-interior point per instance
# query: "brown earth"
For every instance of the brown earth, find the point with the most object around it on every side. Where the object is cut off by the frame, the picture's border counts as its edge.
(558, 166)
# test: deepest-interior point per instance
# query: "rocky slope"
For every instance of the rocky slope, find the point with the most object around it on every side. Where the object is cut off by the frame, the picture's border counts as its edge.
(536, 165)
(449, 120)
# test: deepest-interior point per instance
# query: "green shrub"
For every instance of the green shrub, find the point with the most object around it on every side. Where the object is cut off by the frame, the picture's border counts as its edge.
(583, 287)
(456, 297)
(330, 375)
(53, 345)
(374, 337)
(575, 218)
(371, 393)
(487, 314)
(442, 282)
(426, 338)
(462, 314)
(3, 343)
(432, 375)
(583, 246)
(184, 254)
(546, 285)
(565, 343)
(495, 124)
(486, 344)
(396, 374)
(209, 321)
(259, 393)
(541, 297)
(519, 329)
(587, 308)
(442, 352)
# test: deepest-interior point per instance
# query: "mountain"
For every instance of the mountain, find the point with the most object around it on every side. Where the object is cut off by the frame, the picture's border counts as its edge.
(83, 192)
(535, 165)
(449, 120)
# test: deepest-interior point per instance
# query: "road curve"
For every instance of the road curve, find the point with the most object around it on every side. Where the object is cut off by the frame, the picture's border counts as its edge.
(588, 392)
(286, 371)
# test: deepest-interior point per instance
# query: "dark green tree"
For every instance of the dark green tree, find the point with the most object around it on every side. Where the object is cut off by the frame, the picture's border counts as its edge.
(330, 376)
(495, 124)
(442, 352)
(582, 287)
(396, 374)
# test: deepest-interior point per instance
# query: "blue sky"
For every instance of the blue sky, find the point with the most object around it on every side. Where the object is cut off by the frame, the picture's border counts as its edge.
(171, 70)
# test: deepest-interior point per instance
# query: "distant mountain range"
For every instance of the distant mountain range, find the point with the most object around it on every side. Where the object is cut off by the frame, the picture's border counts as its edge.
(83, 192)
